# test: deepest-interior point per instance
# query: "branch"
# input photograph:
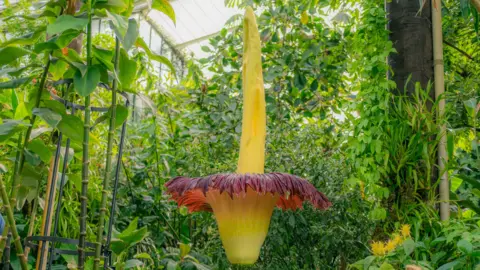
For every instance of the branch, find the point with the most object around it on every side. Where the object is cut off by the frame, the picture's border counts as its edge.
(460, 50)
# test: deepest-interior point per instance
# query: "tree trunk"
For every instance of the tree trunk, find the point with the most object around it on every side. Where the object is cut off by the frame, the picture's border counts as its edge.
(410, 24)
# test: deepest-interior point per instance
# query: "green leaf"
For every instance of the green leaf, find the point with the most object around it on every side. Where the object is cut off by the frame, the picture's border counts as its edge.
(55, 106)
(9, 128)
(184, 249)
(132, 263)
(10, 54)
(465, 246)
(15, 83)
(120, 116)
(386, 266)
(455, 183)
(86, 84)
(119, 24)
(66, 38)
(127, 71)
(30, 176)
(161, 59)
(145, 256)
(14, 99)
(38, 147)
(475, 183)
(65, 22)
(450, 145)
(172, 265)
(27, 39)
(165, 7)
(52, 118)
(104, 56)
(72, 127)
(125, 241)
(451, 265)
(471, 106)
(131, 36)
(57, 69)
(368, 261)
(43, 46)
(21, 111)
(409, 246)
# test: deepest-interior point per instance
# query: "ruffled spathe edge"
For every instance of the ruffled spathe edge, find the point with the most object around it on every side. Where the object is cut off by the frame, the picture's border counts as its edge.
(293, 190)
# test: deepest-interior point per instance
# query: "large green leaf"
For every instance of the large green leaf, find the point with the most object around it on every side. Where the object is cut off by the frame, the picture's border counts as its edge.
(57, 42)
(27, 39)
(38, 147)
(66, 22)
(86, 84)
(127, 71)
(52, 118)
(165, 7)
(72, 127)
(9, 128)
(15, 83)
(10, 54)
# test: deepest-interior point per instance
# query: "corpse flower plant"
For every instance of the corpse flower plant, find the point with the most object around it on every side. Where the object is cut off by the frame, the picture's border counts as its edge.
(243, 202)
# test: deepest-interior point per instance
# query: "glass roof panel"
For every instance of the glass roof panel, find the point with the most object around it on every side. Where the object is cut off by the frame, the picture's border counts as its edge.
(196, 21)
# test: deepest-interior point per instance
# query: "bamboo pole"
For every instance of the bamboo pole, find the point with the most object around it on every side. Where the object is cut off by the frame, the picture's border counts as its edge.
(444, 189)
(44, 217)
(108, 165)
(11, 221)
(85, 158)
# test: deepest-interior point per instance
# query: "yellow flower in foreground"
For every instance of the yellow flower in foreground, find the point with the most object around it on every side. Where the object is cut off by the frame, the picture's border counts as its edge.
(405, 230)
(390, 246)
(378, 248)
(397, 239)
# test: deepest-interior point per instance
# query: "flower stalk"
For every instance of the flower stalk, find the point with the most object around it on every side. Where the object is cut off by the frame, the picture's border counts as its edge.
(108, 166)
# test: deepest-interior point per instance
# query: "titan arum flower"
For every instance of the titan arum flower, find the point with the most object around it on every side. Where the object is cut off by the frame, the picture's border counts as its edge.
(243, 202)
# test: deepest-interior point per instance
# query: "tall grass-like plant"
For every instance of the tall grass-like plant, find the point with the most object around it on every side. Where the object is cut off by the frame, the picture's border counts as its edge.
(108, 165)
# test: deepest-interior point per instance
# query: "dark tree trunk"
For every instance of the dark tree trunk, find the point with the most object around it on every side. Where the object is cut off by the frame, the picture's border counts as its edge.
(410, 24)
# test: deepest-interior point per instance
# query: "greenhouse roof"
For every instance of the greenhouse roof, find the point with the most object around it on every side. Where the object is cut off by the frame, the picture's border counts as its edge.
(196, 21)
